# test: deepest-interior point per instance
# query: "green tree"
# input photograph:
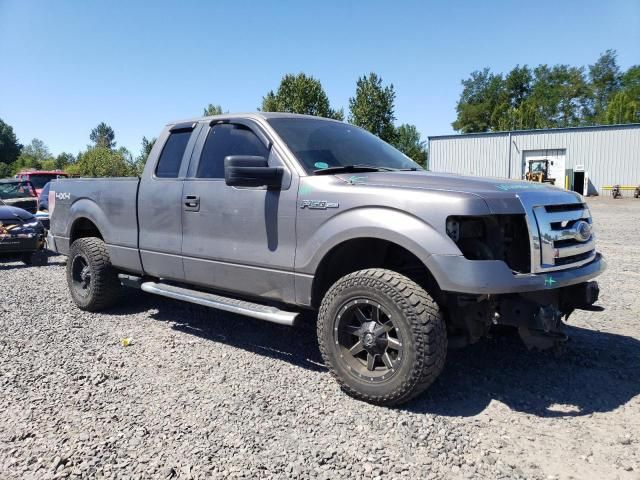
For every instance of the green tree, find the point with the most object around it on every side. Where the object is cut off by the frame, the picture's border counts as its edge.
(524, 116)
(9, 146)
(408, 141)
(34, 155)
(548, 96)
(561, 93)
(37, 150)
(482, 103)
(102, 162)
(213, 110)
(622, 109)
(103, 136)
(141, 160)
(49, 164)
(63, 160)
(630, 86)
(300, 94)
(270, 103)
(372, 107)
(5, 170)
(631, 82)
(517, 84)
(604, 80)
(25, 162)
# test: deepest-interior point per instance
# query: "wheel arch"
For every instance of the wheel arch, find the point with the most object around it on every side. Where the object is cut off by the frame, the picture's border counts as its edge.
(353, 235)
(83, 227)
(86, 220)
(361, 253)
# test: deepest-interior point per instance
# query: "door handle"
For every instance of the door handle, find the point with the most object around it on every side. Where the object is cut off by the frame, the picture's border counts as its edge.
(192, 203)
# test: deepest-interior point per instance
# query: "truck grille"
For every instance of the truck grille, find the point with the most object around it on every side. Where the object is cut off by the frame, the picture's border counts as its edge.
(563, 239)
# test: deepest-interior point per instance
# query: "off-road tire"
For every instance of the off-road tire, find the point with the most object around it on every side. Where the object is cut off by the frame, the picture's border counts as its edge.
(104, 288)
(417, 315)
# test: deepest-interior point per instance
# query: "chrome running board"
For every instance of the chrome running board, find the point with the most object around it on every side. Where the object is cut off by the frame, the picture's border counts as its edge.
(241, 307)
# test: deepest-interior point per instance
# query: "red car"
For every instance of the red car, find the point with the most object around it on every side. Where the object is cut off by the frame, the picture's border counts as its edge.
(39, 178)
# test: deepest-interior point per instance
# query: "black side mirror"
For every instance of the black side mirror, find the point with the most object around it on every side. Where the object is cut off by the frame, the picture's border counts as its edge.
(248, 171)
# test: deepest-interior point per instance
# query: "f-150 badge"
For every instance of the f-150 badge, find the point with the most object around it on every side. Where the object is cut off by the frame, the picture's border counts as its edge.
(318, 204)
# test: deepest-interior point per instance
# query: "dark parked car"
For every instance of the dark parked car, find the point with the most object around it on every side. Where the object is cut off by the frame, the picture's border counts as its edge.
(22, 234)
(19, 193)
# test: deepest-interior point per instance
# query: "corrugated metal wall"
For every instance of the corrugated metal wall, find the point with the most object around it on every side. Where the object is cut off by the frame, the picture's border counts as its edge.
(610, 154)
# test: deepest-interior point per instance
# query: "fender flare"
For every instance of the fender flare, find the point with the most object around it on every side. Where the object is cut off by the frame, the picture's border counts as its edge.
(383, 223)
(87, 209)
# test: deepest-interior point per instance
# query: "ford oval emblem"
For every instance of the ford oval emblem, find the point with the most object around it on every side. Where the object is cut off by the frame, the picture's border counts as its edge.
(583, 231)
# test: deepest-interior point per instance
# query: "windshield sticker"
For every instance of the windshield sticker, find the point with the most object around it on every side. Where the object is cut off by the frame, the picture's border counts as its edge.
(321, 165)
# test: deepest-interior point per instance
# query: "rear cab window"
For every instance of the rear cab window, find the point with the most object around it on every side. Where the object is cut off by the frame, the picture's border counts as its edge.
(172, 152)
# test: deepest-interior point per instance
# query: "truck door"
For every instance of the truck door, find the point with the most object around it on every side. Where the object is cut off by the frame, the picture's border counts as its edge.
(238, 239)
(160, 203)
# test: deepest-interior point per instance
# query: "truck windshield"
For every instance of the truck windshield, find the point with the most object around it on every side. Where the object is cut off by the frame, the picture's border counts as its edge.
(321, 144)
(10, 190)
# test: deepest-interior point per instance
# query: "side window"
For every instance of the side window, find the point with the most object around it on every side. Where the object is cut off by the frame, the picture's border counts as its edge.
(171, 156)
(224, 140)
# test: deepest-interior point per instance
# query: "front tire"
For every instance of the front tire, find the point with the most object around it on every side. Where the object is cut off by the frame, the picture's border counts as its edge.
(382, 336)
(93, 282)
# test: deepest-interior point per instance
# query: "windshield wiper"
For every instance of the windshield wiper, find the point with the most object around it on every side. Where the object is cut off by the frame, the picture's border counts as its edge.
(352, 168)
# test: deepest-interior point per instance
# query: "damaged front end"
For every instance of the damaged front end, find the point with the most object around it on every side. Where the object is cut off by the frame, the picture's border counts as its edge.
(545, 243)
(538, 316)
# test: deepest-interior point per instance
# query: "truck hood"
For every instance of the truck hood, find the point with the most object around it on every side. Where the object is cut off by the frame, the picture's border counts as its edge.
(501, 195)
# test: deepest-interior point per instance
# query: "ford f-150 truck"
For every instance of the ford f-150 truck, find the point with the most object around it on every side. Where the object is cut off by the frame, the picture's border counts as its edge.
(270, 214)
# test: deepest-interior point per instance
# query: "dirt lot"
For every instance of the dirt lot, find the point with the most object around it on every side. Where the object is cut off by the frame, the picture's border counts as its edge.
(202, 394)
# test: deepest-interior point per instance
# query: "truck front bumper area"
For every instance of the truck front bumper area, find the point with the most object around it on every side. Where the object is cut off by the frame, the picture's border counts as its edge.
(15, 244)
(483, 277)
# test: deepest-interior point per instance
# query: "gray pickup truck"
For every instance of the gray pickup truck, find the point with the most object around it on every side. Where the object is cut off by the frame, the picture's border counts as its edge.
(268, 215)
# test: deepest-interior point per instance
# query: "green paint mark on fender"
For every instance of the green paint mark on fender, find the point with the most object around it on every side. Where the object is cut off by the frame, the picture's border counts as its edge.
(356, 179)
(549, 281)
(505, 187)
(305, 189)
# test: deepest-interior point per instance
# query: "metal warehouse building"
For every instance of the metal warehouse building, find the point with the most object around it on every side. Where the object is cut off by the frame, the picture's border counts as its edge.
(586, 159)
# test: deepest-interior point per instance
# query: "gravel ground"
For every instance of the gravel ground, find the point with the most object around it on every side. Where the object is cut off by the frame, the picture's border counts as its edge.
(201, 394)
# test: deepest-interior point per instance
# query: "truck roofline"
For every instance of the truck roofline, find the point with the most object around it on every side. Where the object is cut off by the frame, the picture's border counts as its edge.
(250, 115)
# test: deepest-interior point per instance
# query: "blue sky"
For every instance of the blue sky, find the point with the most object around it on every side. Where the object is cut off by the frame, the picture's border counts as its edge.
(66, 66)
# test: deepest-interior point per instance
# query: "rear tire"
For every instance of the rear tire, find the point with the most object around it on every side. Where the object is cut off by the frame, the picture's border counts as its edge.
(382, 336)
(93, 282)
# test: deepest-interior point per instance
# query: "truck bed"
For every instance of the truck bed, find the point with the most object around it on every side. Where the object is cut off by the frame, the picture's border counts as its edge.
(108, 202)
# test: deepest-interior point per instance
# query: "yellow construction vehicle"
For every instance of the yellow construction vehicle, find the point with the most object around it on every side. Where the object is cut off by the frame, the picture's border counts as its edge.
(538, 171)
